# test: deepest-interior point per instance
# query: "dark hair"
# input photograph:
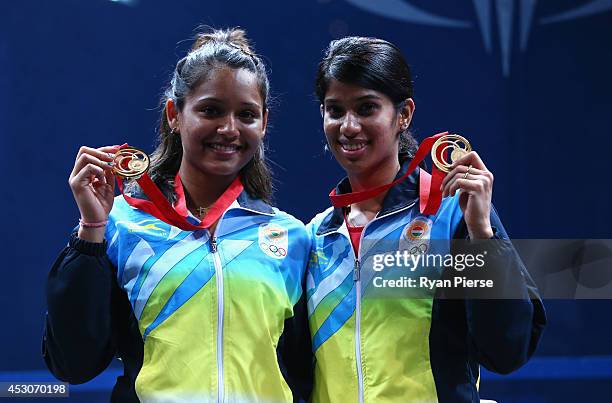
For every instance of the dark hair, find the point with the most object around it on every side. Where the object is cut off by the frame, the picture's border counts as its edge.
(210, 51)
(370, 63)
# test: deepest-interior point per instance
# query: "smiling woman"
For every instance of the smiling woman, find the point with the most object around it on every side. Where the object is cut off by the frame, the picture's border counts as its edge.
(219, 90)
(423, 347)
(214, 313)
(221, 125)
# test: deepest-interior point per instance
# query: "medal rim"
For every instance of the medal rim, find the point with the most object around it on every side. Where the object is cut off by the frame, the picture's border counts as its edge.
(132, 174)
(443, 166)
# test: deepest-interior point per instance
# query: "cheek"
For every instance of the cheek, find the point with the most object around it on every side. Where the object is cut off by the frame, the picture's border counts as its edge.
(253, 138)
(384, 133)
(330, 128)
(190, 142)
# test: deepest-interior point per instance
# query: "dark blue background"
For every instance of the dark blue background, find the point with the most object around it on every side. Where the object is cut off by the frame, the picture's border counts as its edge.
(91, 72)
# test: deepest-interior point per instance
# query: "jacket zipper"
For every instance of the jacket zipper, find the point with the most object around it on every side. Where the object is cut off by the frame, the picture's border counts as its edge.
(357, 279)
(220, 309)
(220, 305)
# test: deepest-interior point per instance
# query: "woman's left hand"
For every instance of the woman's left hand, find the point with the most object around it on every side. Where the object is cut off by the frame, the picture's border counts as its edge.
(476, 192)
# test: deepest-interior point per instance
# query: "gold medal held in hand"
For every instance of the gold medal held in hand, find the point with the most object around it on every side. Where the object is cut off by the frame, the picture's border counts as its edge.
(130, 163)
(456, 144)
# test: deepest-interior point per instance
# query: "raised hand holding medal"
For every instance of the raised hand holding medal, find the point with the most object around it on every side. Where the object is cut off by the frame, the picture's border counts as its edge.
(466, 172)
(93, 187)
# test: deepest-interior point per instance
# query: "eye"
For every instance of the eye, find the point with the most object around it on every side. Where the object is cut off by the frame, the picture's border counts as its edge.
(367, 108)
(210, 111)
(248, 115)
(334, 111)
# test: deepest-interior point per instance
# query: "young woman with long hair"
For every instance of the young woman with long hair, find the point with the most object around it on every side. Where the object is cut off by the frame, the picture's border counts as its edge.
(377, 345)
(212, 313)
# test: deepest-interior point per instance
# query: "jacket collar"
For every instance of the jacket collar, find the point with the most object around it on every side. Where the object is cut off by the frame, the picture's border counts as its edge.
(398, 197)
(256, 205)
(244, 200)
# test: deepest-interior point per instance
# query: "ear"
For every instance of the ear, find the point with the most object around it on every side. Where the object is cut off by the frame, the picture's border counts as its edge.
(265, 122)
(172, 113)
(406, 113)
(322, 110)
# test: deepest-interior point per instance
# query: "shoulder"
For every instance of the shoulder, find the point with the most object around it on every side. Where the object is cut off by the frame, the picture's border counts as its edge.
(293, 224)
(316, 221)
(122, 210)
(284, 216)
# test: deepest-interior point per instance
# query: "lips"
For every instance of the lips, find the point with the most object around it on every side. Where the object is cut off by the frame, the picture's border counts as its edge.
(353, 149)
(223, 148)
(353, 146)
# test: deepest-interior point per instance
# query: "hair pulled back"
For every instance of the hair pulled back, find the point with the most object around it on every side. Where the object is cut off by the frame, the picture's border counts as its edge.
(211, 50)
(369, 63)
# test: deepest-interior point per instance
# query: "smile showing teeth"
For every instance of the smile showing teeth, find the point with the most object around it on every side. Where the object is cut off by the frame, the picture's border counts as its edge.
(353, 147)
(224, 147)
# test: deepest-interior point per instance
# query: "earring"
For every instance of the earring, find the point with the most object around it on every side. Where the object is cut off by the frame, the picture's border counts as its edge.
(174, 131)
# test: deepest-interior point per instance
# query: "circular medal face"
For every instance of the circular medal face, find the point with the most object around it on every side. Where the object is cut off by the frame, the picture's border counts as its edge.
(456, 144)
(130, 163)
(457, 153)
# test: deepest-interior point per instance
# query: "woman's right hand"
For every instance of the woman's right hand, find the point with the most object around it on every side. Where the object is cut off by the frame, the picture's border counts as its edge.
(93, 187)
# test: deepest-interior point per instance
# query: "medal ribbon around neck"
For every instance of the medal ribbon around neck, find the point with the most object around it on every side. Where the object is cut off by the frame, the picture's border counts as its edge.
(430, 194)
(131, 164)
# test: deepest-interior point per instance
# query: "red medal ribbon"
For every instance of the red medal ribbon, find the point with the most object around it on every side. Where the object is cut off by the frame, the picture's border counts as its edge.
(159, 207)
(430, 194)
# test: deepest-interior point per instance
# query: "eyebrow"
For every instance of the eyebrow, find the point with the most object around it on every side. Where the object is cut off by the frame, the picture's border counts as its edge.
(362, 98)
(220, 101)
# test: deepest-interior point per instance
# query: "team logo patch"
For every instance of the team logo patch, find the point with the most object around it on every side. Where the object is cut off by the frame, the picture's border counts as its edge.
(317, 258)
(417, 229)
(143, 227)
(415, 236)
(273, 240)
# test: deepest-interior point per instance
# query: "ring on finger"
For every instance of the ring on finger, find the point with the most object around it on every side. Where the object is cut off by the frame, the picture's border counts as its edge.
(467, 172)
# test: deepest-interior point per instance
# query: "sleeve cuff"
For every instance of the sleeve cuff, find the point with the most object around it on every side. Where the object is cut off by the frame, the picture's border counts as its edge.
(86, 247)
(496, 235)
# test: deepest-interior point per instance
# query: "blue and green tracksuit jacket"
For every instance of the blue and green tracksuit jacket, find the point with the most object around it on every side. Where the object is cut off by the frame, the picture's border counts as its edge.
(425, 349)
(194, 316)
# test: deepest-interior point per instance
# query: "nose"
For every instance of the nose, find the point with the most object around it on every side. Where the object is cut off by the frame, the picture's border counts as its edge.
(350, 126)
(228, 128)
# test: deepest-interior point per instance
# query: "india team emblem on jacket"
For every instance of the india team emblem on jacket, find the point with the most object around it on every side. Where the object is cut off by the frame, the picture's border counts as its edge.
(415, 235)
(273, 240)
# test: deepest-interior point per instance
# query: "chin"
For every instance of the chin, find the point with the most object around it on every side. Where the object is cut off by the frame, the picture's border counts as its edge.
(219, 170)
(353, 166)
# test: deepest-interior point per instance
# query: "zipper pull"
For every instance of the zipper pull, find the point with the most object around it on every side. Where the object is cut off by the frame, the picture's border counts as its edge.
(356, 271)
(213, 244)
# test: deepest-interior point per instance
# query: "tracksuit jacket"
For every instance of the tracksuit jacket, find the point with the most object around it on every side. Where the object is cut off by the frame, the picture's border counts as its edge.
(193, 316)
(377, 346)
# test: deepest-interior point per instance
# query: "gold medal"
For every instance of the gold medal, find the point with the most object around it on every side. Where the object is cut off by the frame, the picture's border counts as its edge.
(130, 163)
(458, 146)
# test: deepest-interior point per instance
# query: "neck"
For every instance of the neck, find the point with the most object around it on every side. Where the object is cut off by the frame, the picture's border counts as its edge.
(381, 175)
(202, 190)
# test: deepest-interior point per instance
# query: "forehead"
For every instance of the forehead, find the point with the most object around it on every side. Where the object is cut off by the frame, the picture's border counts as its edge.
(338, 91)
(228, 84)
